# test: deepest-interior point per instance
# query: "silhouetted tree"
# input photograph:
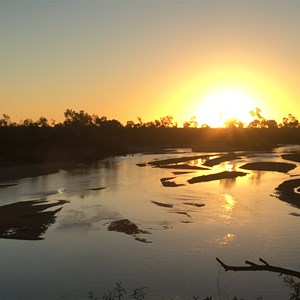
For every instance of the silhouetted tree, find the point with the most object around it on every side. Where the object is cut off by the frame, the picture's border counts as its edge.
(205, 125)
(192, 122)
(290, 121)
(77, 119)
(42, 122)
(5, 121)
(28, 123)
(234, 123)
(111, 124)
(259, 121)
(167, 121)
(99, 121)
(271, 124)
(130, 124)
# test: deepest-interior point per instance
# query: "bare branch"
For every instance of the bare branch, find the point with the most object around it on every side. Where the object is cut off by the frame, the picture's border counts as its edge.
(263, 261)
(255, 267)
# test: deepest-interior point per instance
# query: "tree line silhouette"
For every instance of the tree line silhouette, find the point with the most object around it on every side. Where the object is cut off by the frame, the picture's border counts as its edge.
(85, 137)
(81, 118)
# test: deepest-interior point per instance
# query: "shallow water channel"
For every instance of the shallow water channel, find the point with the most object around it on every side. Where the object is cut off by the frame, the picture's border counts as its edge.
(183, 228)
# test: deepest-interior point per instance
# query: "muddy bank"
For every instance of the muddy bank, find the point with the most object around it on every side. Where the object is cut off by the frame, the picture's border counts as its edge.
(269, 166)
(288, 191)
(27, 220)
(216, 176)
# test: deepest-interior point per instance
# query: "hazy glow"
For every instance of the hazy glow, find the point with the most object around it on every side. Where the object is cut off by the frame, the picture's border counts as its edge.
(224, 92)
(148, 59)
(224, 105)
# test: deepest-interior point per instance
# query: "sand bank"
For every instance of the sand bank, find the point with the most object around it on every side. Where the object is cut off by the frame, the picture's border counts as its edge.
(216, 176)
(27, 220)
(287, 192)
(269, 166)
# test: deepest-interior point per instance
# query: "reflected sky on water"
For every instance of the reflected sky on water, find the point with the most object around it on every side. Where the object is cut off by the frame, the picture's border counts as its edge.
(241, 219)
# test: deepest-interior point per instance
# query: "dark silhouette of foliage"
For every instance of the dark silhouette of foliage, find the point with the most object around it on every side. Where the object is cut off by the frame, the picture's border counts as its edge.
(290, 122)
(5, 121)
(79, 119)
(234, 123)
(191, 123)
(85, 137)
(168, 121)
(294, 286)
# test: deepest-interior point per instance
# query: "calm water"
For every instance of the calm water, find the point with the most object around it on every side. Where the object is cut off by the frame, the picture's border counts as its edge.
(241, 220)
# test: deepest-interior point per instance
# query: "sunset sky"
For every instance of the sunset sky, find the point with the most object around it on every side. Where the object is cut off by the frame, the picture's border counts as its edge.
(148, 59)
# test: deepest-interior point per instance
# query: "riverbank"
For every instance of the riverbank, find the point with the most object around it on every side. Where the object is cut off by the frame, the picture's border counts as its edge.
(14, 172)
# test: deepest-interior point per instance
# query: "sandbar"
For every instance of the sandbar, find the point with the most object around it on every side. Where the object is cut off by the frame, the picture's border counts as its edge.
(291, 156)
(286, 192)
(182, 167)
(216, 161)
(194, 204)
(27, 220)
(172, 161)
(216, 176)
(128, 227)
(163, 204)
(167, 183)
(269, 166)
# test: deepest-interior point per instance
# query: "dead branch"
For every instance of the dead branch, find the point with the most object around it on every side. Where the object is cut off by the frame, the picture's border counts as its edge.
(259, 267)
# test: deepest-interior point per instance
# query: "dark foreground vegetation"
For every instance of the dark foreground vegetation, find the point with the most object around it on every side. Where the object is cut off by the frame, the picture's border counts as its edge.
(82, 137)
(119, 292)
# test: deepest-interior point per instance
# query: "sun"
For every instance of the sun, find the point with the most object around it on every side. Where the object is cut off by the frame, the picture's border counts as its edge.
(221, 105)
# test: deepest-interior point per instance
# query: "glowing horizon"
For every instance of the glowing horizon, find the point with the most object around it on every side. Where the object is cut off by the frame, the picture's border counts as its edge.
(125, 60)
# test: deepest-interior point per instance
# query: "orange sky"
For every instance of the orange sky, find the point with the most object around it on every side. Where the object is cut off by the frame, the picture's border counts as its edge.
(148, 59)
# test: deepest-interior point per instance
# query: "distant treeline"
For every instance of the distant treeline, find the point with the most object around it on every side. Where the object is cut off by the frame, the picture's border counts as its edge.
(82, 137)
(82, 119)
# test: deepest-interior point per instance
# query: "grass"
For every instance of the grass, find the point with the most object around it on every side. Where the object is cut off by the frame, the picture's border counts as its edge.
(119, 292)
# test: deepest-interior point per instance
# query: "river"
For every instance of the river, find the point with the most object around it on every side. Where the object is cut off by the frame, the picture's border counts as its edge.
(183, 229)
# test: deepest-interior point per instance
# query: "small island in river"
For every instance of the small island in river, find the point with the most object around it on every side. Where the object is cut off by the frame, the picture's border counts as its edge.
(27, 220)
(216, 176)
(269, 166)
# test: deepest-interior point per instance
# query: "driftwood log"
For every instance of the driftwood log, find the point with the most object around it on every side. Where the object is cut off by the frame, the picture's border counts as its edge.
(259, 267)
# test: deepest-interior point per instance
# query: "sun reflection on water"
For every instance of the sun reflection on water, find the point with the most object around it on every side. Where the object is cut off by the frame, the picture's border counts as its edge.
(227, 239)
(229, 167)
(227, 207)
(229, 203)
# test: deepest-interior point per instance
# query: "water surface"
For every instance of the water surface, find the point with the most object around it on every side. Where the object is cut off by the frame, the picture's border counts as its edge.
(188, 226)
